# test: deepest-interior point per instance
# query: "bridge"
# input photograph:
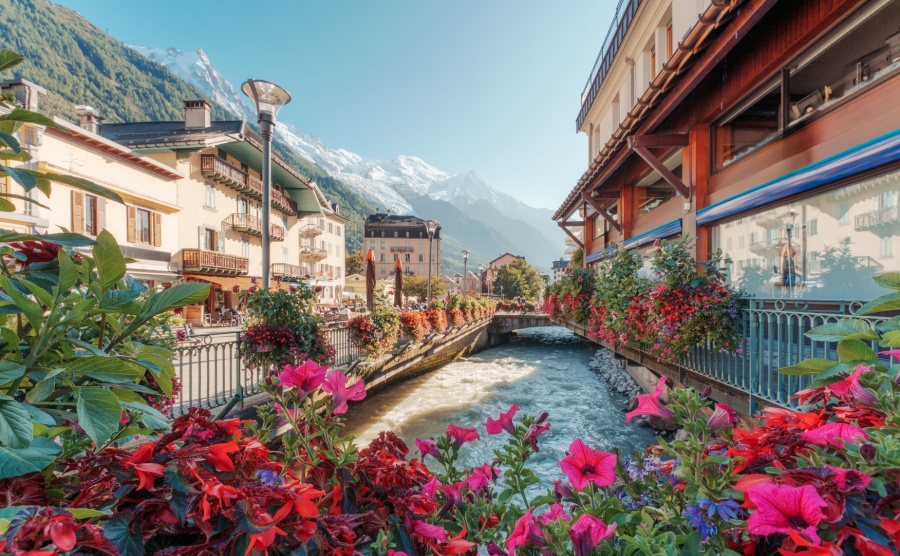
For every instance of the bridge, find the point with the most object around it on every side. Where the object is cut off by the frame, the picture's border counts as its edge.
(504, 324)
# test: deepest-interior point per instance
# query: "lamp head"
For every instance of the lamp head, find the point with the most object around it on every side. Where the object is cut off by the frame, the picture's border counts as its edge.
(431, 226)
(465, 253)
(267, 97)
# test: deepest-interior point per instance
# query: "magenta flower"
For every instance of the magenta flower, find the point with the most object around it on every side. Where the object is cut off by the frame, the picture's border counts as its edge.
(851, 389)
(454, 492)
(525, 532)
(428, 448)
(554, 513)
(482, 477)
(649, 404)
(503, 423)
(584, 465)
(431, 487)
(336, 385)
(783, 508)
(587, 532)
(562, 490)
(306, 378)
(849, 479)
(460, 435)
(428, 531)
(534, 431)
(834, 434)
(723, 416)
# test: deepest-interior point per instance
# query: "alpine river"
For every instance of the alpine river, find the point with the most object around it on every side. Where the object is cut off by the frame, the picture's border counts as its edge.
(541, 369)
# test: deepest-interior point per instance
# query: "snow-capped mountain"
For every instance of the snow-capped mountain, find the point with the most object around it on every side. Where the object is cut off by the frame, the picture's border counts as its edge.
(388, 185)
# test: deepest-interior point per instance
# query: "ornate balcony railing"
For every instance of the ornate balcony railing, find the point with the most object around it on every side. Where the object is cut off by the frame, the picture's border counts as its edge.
(252, 225)
(880, 217)
(288, 271)
(312, 254)
(201, 261)
(228, 174)
(312, 230)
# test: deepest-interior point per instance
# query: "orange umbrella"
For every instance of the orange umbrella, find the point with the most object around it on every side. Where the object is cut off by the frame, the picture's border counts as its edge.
(398, 283)
(370, 280)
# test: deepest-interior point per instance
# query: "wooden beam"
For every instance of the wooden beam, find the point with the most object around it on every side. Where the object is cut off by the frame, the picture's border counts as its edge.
(601, 211)
(571, 235)
(567, 223)
(666, 174)
(654, 141)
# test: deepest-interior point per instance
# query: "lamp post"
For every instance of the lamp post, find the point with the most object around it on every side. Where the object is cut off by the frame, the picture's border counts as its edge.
(465, 253)
(268, 98)
(431, 227)
(481, 276)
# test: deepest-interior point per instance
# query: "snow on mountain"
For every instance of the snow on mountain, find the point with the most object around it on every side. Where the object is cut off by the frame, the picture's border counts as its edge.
(388, 185)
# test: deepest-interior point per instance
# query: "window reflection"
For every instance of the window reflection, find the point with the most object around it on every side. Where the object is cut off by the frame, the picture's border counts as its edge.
(828, 246)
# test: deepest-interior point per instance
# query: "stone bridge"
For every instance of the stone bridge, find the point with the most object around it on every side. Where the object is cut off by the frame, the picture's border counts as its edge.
(504, 324)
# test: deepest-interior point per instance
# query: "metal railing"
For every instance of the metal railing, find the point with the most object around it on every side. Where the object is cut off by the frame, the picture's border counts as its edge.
(213, 262)
(211, 372)
(886, 215)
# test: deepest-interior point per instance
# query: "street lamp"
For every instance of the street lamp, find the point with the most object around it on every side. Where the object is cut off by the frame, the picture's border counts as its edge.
(465, 253)
(431, 227)
(268, 98)
(481, 274)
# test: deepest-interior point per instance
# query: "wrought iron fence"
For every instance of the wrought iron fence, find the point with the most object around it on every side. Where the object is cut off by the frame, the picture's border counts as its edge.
(211, 372)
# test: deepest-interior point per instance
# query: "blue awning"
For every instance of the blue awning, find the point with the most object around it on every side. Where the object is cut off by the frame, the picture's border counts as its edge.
(601, 255)
(664, 231)
(861, 158)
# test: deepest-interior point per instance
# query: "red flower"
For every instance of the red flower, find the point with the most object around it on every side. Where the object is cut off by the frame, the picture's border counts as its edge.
(36, 251)
(834, 434)
(783, 508)
(584, 465)
(218, 455)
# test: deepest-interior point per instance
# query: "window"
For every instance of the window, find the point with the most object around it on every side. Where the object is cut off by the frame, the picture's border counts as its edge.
(407, 235)
(209, 200)
(421, 269)
(382, 244)
(212, 242)
(383, 269)
(599, 225)
(338, 230)
(284, 222)
(408, 258)
(396, 234)
(91, 225)
(245, 247)
(396, 256)
(143, 226)
(751, 125)
(371, 245)
(242, 205)
(330, 228)
(836, 262)
(421, 258)
(381, 257)
(421, 245)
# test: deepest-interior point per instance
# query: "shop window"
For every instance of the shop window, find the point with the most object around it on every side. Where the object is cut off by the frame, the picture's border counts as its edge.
(860, 53)
(836, 262)
(752, 124)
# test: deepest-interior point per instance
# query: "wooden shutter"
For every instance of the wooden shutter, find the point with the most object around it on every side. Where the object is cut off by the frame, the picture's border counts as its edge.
(157, 229)
(77, 212)
(101, 214)
(201, 232)
(132, 223)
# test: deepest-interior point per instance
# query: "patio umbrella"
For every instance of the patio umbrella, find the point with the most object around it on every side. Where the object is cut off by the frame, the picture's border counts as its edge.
(398, 283)
(370, 280)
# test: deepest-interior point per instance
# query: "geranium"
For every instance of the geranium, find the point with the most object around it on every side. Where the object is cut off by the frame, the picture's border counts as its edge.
(502, 423)
(584, 465)
(336, 385)
(650, 404)
(783, 508)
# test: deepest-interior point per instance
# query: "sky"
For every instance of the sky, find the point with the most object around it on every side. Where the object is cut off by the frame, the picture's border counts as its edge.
(492, 86)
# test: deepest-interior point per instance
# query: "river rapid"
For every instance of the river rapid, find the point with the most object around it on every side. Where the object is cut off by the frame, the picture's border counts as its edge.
(541, 369)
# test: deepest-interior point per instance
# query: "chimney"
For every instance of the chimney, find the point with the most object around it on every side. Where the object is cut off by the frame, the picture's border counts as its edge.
(88, 118)
(27, 93)
(196, 114)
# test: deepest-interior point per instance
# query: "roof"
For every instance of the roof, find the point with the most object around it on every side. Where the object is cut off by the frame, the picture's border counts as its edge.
(562, 263)
(505, 254)
(172, 134)
(394, 220)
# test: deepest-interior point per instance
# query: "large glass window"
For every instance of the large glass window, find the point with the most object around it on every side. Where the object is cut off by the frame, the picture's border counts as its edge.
(751, 125)
(801, 249)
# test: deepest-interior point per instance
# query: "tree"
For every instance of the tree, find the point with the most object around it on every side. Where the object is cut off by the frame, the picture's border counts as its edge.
(518, 279)
(577, 260)
(355, 263)
(417, 286)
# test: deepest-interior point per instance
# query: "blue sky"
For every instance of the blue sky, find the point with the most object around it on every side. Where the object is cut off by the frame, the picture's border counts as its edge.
(485, 85)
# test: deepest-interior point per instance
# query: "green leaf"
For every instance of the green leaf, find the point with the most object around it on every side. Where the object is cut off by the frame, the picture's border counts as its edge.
(9, 59)
(39, 416)
(11, 512)
(24, 198)
(890, 280)
(808, 367)
(10, 371)
(99, 412)
(85, 185)
(104, 368)
(33, 312)
(149, 416)
(174, 297)
(29, 117)
(87, 513)
(16, 430)
(15, 463)
(109, 260)
(845, 329)
(118, 530)
(5, 205)
(114, 299)
(855, 350)
(22, 177)
(10, 140)
(68, 274)
(890, 339)
(889, 302)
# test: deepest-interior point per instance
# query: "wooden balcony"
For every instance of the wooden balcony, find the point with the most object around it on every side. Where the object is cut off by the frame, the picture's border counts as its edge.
(230, 175)
(201, 261)
(288, 271)
(252, 225)
(882, 217)
(312, 230)
(312, 254)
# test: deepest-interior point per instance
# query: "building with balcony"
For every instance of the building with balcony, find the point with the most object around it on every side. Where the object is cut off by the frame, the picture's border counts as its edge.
(405, 238)
(146, 225)
(490, 273)
(764, 128)
(558, 268)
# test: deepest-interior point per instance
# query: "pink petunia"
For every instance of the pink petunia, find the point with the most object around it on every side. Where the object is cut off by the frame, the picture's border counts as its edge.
(650, 404)
(431, 487)
(525, 532)
(555, 513)
(428, 531)
(503, 423)
(428, 448)
(851, 390)
(534, 431)
(783, 508)
(306, 378)
(482, 477)
(587, 532)
(584, 465)
(336, 385)
(849, 479)
(723, 416)
(834, 434)
(460, 435)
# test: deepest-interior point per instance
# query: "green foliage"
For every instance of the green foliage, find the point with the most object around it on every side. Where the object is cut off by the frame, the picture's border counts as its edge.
(577, 260)
(519, 279)
(355, 263)
(417, 286)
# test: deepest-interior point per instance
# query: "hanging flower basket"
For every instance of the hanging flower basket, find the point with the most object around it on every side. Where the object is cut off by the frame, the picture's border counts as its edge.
(265, 348)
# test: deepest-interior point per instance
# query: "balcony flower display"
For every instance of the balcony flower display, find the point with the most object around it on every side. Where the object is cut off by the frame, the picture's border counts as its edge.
(415, 326)
(376, 334)
(437, 319)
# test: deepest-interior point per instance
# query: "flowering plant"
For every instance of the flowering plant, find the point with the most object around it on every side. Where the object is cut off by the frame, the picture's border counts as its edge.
(415, 326)
(437, 320)
(376, 334)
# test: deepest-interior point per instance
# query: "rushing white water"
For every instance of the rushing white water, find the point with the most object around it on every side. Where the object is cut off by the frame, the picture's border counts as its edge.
(542, 369)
